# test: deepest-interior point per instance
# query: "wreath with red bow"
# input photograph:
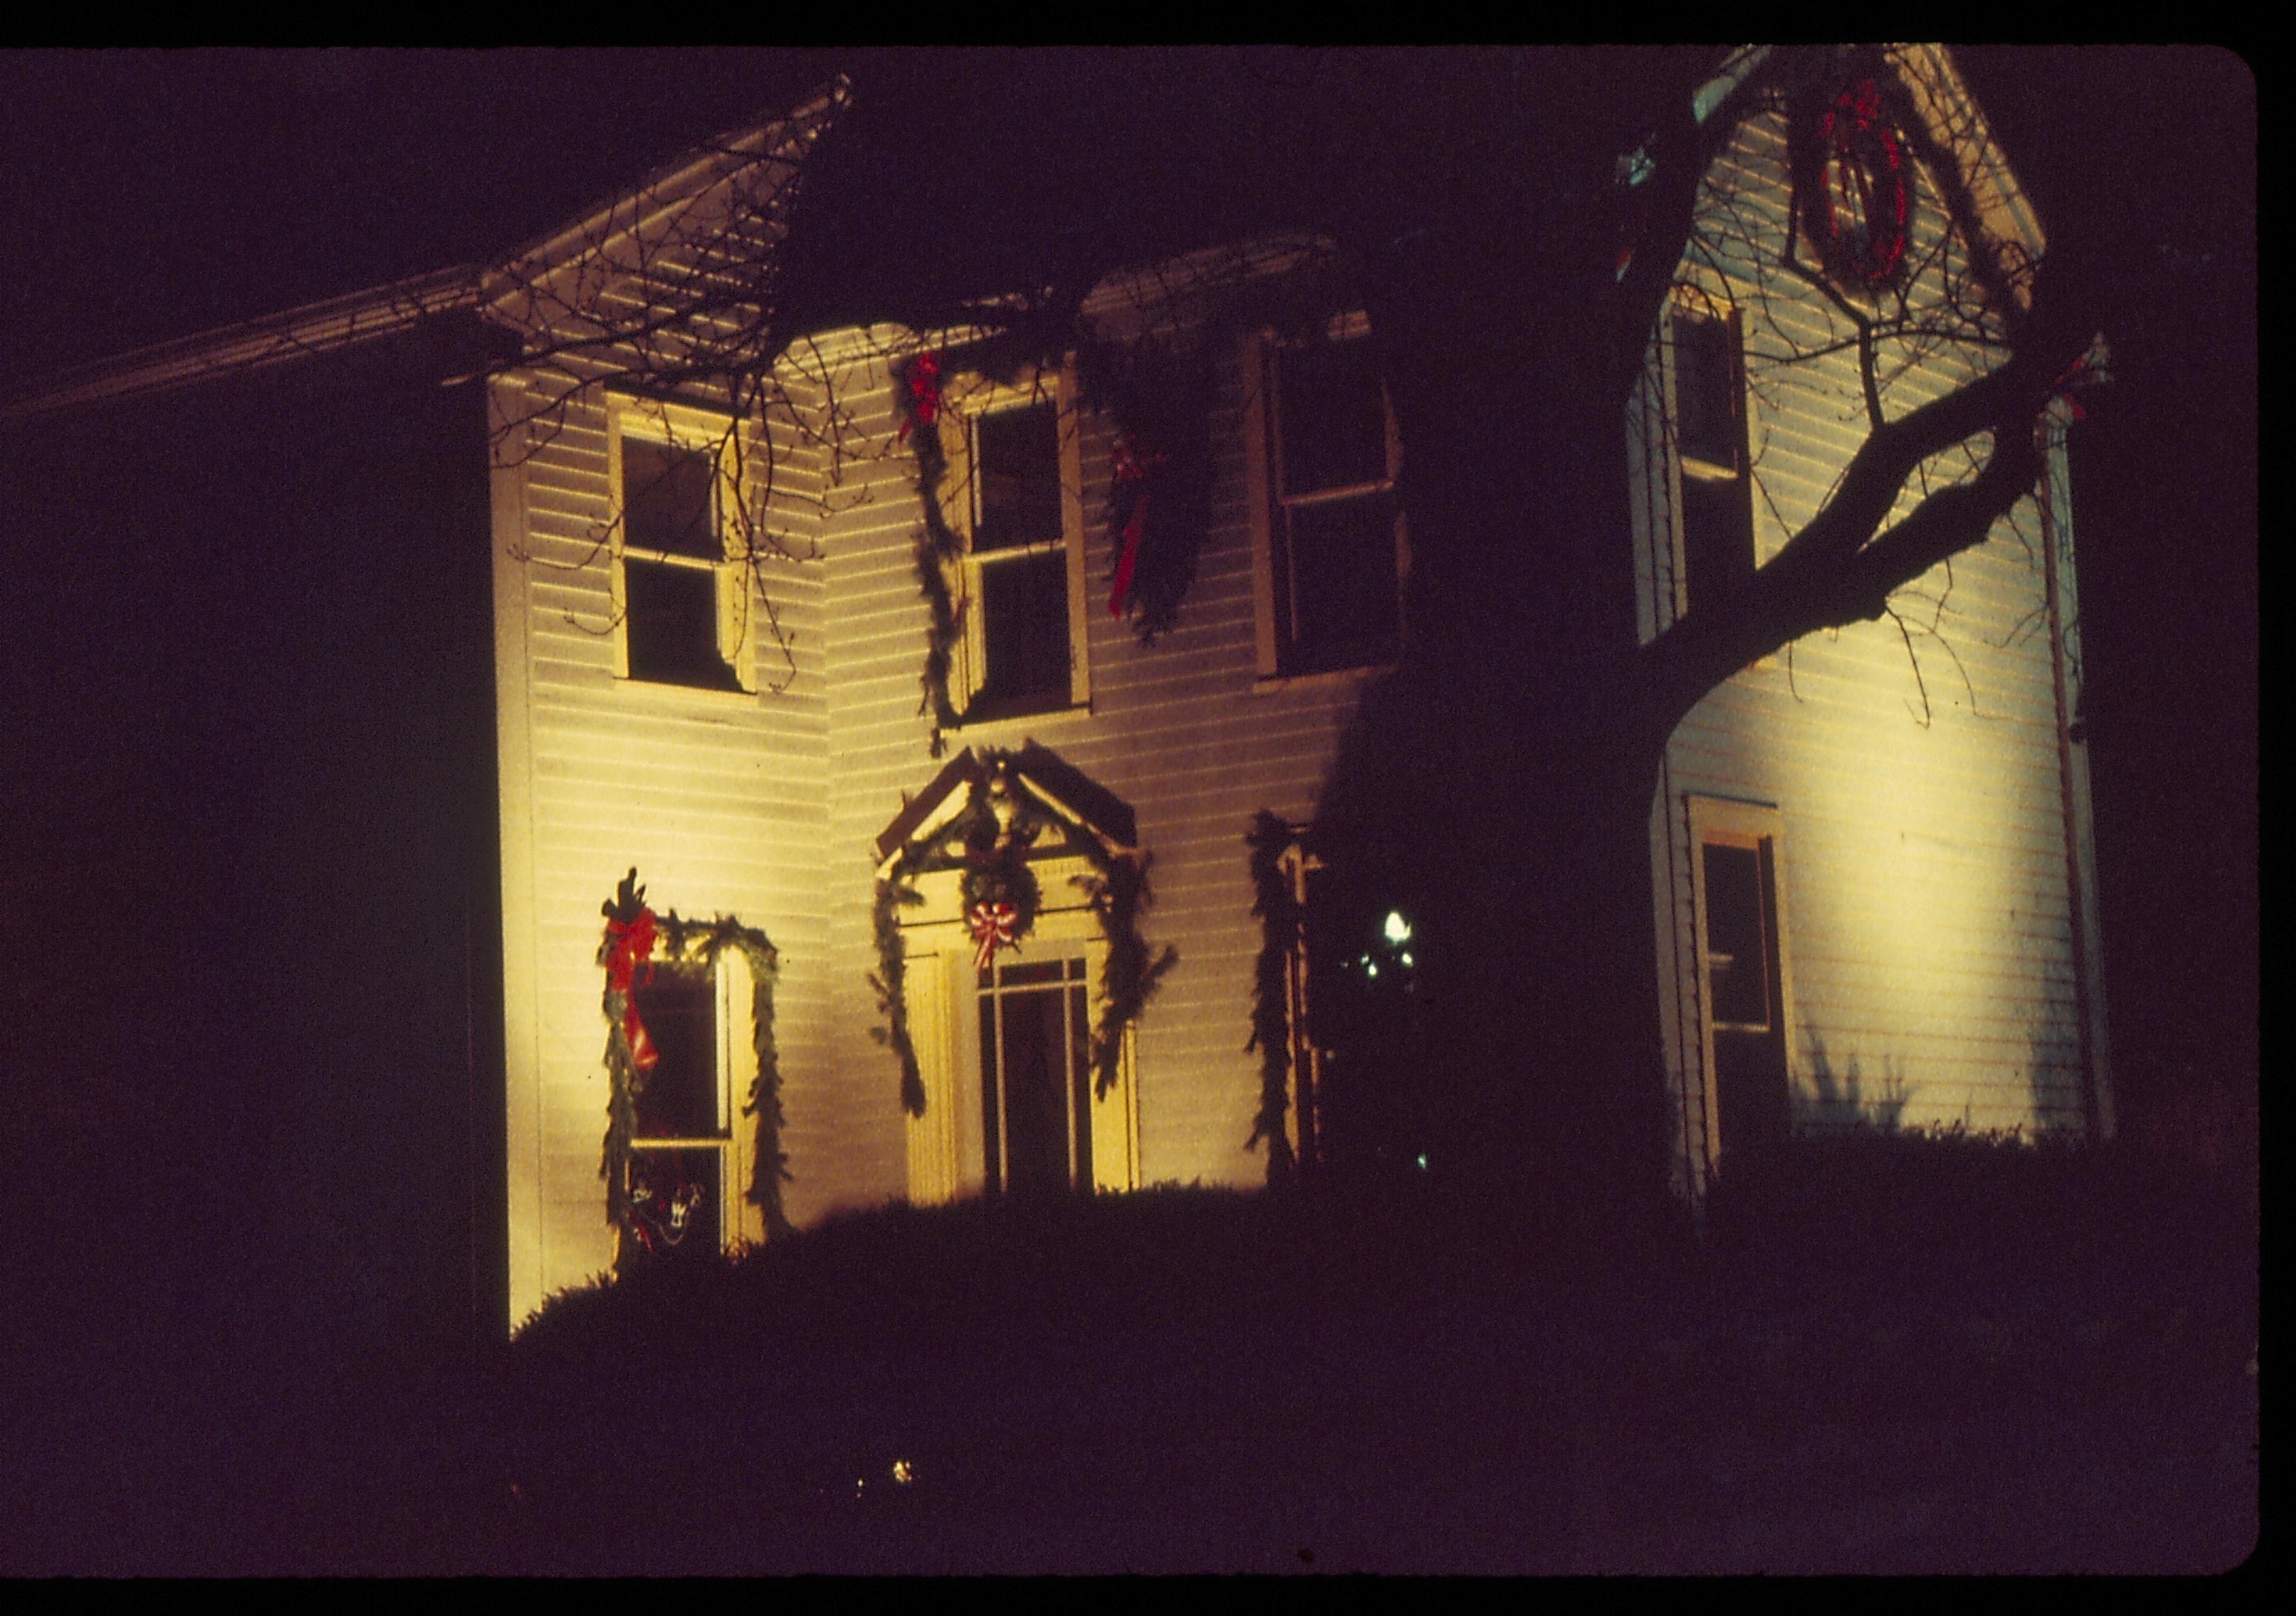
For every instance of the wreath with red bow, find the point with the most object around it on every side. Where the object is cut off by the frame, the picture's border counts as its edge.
(1000, 895)
(1854, 185)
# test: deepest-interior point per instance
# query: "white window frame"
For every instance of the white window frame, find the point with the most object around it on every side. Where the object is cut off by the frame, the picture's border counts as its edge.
(947, 1151)
(735, 1055)
(964, 400)
(683, 427)
(1742, 825)
(1268, 502)
(1701, 303)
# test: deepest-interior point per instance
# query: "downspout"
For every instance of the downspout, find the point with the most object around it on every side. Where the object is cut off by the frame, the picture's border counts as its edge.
(2092, 1119)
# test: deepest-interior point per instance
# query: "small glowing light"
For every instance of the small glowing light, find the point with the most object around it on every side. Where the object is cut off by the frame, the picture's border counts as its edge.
(1370, 969)
(1397, 929)
(903, 1473)
(1406, 956)
(1422, 1162)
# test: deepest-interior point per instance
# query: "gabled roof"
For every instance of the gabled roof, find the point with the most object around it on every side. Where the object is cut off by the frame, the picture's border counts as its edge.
(1065, 790)
(685, 207)
(637, 223)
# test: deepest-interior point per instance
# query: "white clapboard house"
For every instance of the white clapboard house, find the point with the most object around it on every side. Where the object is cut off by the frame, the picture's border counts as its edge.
(702, 662)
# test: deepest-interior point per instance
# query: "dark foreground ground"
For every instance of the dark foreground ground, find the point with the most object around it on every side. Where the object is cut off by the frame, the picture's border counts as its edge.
(1190, 1382)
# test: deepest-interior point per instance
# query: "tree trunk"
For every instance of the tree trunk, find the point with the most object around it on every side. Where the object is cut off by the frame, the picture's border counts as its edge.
(1497, 788)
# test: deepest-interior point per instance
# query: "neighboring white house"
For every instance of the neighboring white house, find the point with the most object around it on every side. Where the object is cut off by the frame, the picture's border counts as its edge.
(1873, 876)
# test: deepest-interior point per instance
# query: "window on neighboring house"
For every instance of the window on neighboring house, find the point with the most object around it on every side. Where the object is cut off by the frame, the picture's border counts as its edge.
(1036, 1071)
(1333, 554)
(1744, 982)
(681, 1176)
(681, 599)
(1717, 496)
(1014, 496)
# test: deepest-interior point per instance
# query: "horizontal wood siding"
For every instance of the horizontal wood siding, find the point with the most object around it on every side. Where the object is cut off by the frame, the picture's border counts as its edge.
(1177, 730)
(715, 797)
(1926, 906)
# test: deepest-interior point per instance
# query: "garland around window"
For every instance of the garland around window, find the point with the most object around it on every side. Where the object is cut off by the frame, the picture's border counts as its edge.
(626, 954)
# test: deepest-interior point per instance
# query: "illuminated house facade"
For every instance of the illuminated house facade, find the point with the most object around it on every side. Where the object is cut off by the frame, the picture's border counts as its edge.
(1872, 877)
(1889, 822)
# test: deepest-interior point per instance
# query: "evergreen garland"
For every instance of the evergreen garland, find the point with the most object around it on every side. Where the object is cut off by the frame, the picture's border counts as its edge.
(938, 551)
(1160, 479)
(702, 941)
(896, 892)
(1280, 919)
(1116, 892)
(688, 942)
(1128, 978)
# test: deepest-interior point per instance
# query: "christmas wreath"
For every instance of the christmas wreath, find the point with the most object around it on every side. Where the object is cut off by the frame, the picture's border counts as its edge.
(1853, 183)
(649, 1215)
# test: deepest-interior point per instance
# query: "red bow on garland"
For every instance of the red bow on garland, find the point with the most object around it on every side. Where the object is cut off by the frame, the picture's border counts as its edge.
(924, 379)
(2072, 381)
(632, 946)
(1130, 469)
(992, 929)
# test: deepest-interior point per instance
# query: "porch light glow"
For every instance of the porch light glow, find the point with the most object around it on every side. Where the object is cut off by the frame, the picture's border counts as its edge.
(1397, 929)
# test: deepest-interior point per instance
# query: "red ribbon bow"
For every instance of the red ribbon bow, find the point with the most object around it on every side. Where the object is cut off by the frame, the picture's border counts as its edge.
(924, 378)
(2070, 382)
(992, 929)
(1129, 469)
(633, 945)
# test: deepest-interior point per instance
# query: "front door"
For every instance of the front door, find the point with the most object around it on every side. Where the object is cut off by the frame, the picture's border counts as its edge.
(1036, 1075)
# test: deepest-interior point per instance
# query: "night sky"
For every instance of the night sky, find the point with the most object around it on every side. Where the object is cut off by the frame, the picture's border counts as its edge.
(151, 195)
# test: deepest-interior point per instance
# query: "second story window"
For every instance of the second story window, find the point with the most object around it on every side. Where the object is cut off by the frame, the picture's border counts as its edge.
(678, 596)
(1013, 494)
(1332, 565)
(1717, 496)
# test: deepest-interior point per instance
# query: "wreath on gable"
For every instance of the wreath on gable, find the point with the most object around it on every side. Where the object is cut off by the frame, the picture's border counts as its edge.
(654, 1210)
(1853, 184)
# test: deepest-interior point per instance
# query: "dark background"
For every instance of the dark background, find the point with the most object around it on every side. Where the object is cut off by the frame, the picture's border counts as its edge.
(147, 195)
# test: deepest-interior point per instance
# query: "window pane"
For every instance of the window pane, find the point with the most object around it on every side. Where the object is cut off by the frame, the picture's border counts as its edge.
(1341, 584)
(667, 493)
(1718, 534)
(1035, 1097)
(1041, 971)
(1736, 956)
(672, 624)
(1334, 417)
(676, 1194)
(1024, 602)
(1017, 463)
(680, 1097)
(1707, 391)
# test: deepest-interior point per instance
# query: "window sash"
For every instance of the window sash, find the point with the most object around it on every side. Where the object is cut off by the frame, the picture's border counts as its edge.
(1048, 681)
(1362, 632)
(653, 440)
